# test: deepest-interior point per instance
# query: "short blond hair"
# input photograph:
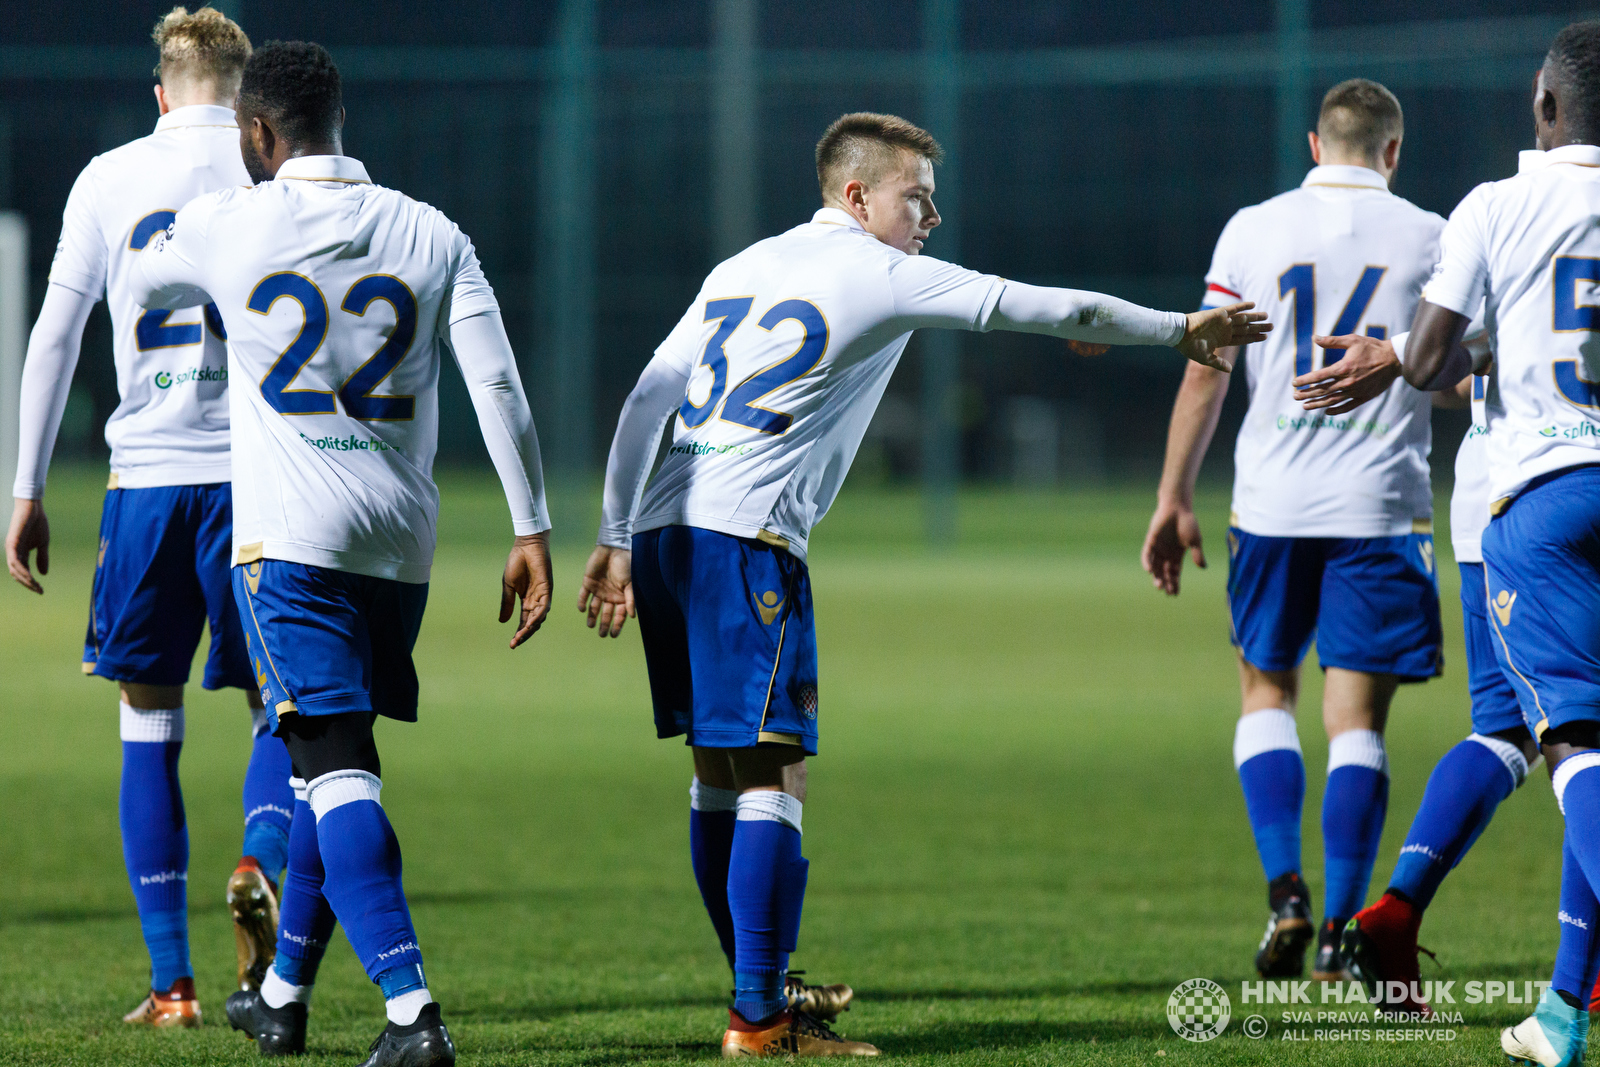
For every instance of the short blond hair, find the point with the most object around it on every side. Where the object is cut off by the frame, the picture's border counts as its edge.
(869, 146)
(203, 46)
(1361, 116)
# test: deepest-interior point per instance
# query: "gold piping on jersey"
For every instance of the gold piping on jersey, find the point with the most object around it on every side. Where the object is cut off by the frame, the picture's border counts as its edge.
(111, 482)
(768, 537)
(249, 553)
(1422, 526)
(1496, 507)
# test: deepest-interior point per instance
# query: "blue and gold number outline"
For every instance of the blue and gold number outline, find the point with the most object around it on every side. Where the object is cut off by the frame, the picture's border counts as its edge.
(395, 351)
(732, 310)
(274, 395)
(153, 323)
(783, 311)
(1574, 388)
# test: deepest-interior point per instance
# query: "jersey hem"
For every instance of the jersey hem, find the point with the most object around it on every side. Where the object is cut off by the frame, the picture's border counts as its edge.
(157, 477)
(334, 560)
(795, 545)
(1389, 527)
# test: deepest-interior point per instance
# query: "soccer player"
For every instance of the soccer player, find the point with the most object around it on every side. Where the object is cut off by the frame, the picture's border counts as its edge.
(770, 379)
(163, 565)
(339, 294)
(1529, 248)
(1330, 532)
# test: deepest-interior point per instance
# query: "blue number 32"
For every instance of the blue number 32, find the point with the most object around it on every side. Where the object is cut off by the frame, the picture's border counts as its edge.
(740, 406)
(356, 392)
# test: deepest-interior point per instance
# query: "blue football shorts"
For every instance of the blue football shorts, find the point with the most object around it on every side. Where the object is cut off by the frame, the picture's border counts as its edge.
(325, 642)
(1371, 603)
(1541, 560)
(162, 575)
(729, 638)
(1494, 701)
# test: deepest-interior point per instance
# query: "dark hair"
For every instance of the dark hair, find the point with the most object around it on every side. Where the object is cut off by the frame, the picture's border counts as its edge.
(1574, 66)
(867, 145)
(296, 85)
(1360, 115)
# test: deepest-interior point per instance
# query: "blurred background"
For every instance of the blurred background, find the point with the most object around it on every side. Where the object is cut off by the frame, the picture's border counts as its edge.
(604, 154)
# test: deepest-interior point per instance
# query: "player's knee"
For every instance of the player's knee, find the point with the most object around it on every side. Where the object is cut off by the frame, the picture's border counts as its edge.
(151, 697)
(1510, 751)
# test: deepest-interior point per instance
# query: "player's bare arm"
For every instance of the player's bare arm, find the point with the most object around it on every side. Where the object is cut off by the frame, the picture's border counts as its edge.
(1211, 331)
(1174, 529)
(1434, 359)
(527, 581)
(607, 593)
(29, 532)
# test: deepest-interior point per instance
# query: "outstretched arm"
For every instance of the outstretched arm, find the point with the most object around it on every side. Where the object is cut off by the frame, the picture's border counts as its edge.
(1431, 357)
(489, 367)
(1173, 527)
(46, 380)
(607, 593)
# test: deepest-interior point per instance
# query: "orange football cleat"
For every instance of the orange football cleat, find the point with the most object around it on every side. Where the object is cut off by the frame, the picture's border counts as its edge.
(253, 903)
(790, 1033)
(177, 1007)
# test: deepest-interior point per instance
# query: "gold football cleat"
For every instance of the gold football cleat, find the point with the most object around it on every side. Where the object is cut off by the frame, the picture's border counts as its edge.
(177, 1007)
(792, 1033)
(823, 1002)
(253, 902)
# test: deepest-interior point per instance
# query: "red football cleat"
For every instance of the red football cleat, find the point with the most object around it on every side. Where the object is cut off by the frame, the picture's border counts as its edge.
(1380, 946)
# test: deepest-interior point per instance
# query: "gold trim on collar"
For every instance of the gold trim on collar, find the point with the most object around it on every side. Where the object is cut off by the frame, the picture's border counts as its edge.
(1345, 185)
(341, 181)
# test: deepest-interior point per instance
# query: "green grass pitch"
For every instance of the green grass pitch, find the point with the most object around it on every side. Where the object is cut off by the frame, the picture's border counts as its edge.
(1024, 825)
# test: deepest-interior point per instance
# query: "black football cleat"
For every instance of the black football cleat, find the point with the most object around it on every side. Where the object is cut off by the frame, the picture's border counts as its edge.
(276, 1031)
(1329, 965)
(424, 1043)
(1282, 953)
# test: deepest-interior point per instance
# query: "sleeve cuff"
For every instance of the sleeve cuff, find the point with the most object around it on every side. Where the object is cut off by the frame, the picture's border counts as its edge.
(77, 281)
(529, 527)
(1443, 296)
(614, 538)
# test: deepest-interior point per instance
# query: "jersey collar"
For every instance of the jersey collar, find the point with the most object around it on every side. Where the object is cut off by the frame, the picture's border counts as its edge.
(197, 115)
(1584, 155)
(832, 216)
(1344, 176)
(343, 169)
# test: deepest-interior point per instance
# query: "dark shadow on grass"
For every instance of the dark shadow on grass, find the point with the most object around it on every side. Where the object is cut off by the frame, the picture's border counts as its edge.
(946, 1037)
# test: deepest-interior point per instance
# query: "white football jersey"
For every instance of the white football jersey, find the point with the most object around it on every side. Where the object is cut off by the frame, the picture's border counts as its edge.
(1529, 247)
(1469, 500)
(336, 293)
(171, 426)
(1339, 255)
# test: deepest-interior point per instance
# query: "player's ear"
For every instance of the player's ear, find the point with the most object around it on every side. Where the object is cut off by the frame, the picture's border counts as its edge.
(1316, 147)
(1391, 155)
(854, 193)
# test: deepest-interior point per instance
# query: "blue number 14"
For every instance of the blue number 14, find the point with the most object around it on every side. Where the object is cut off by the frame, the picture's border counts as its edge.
(1301, 280)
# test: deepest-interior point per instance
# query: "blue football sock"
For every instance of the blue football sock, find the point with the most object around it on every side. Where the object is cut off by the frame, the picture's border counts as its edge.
(710, 846)
(1266, 753)
(766, 889)
(1463, 792)
(361, 865)
(268, 802)
(1576, 783)
(305, 921)
(1354, 804)
(155, 838)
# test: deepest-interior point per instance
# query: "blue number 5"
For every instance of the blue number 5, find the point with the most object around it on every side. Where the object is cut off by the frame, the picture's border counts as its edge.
(732, 312)
(741, 406)
(1569, 316)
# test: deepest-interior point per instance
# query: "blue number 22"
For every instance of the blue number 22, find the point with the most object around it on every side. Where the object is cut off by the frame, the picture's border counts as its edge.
(1301, 280)
(740, 406)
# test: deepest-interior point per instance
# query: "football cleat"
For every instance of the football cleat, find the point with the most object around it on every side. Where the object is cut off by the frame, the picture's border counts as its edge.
(253, 903)
(1555, 1035)
(177, 1007)
(1329, 966)
(423, 1043)
(276, 1031)
(1282, 953)
(788, 1033)
(823, 1002)
(1380, 946)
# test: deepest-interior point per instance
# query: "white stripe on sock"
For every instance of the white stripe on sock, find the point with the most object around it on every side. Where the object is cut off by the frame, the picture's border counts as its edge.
(144, 724)
(1358, 748)
(337, 788)
(704, 797)
(1264, 731)
(772, 805)
(1509, 754)
(299, 787)
(1565, 772)
(404, 1009)
(277, 992)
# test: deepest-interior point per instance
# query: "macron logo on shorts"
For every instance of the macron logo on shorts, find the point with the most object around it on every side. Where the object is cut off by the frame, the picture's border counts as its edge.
(769, 606)
(1502, 605)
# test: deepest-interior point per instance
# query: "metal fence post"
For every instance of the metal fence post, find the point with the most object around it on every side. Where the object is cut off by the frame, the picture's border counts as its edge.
(941, 349)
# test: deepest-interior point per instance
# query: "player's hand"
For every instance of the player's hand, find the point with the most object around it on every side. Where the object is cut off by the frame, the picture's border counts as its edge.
(1365, 372)
(1173, 530)
(30, 530)
(1211, 331)
(607, 594)
(527, 579)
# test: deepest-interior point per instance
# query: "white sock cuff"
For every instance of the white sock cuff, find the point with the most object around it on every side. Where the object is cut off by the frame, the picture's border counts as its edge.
(142, 724)
(299, 787)
(1264, 731)
(1509, 754)
(404, 1009)
(704, 797)
(337, 788)
(258, 721)
(1564, 774)
(772, 805)
(277, 991)
(1358, 748)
